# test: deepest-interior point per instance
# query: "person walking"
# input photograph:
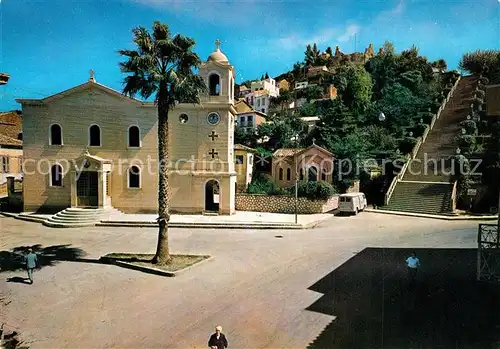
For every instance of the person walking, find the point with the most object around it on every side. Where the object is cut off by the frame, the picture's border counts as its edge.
(413, 263)
(31, 263)
(218, 339)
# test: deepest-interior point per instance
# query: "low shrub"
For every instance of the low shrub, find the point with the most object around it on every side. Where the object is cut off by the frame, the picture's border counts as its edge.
(477, 102)
(466, 141)
(480, 94)
(262, 184)
(435, 107)
(406, 145)
(427, 117)
(419, 130)
(484, 81)
(469, 126)
(315, 190)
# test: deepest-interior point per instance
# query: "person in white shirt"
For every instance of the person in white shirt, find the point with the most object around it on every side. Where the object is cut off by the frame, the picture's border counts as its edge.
(413, 263)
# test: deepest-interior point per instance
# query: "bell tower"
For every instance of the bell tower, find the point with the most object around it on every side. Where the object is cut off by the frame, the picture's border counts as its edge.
(219, 77)
(204, 134)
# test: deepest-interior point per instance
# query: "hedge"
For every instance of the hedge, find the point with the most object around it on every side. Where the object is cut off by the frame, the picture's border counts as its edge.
(406, 145)
(315, 190)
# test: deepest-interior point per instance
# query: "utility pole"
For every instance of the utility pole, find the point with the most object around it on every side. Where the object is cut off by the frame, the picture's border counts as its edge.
(355, 42)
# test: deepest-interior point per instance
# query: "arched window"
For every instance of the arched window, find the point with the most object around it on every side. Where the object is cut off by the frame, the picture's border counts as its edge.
(95, 136)
(288, 174)
(280, 174)
(134, 139)
(55, 134)
(214, 85)
(323, 174)
(134, 177)
(312, 174)
(56, 174)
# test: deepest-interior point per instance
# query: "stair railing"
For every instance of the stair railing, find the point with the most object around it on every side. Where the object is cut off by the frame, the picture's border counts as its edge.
(454, 197)
(396, 179)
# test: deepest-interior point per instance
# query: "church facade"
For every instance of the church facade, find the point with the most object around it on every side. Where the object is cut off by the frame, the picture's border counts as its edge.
(90, 146)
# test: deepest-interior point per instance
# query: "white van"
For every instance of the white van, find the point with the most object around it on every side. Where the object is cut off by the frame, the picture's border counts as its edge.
(352, 202)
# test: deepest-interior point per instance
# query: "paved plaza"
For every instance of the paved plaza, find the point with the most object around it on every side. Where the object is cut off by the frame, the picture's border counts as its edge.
(339, 285)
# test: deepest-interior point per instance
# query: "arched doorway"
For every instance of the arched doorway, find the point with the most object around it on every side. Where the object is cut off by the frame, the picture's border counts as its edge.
(212, 196)
(312, 174)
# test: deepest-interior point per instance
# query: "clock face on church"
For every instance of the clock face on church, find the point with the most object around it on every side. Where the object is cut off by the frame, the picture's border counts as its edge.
(213, 118)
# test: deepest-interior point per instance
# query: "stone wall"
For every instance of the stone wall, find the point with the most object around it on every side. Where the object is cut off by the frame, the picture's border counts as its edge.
(284, 204)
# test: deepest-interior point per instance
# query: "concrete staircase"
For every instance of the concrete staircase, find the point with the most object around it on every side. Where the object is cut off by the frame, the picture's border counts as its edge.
(80, 217)
(425, 186)
(421, 197)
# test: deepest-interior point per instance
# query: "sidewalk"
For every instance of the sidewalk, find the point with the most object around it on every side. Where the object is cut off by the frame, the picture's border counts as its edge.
(443, 217)
(239, 220)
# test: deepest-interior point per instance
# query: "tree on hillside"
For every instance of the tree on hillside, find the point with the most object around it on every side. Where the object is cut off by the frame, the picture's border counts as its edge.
(298, 70)
(329, 51)
(354, 85)
(336, 120)
(383, 69)
(162, 65)
(281, 130)
(267, 76)
(485, 62)
(410, 60)
(440, 64)
(311, 55)
(399, 105)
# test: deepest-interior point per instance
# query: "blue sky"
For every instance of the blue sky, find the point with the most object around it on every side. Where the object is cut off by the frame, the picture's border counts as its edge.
(50, 45)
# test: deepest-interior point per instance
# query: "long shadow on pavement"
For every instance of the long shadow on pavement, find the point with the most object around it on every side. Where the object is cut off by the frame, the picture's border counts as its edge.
(375, 308)
(13, 259)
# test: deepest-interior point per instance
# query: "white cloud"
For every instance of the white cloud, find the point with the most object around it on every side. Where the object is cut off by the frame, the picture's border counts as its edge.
(349, 33)
(327, 36)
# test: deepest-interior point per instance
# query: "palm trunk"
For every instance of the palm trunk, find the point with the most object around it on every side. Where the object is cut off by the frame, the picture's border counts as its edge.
(162, 255)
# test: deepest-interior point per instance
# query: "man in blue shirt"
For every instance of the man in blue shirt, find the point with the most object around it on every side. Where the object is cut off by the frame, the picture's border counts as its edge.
(413, 264)
(31, 263)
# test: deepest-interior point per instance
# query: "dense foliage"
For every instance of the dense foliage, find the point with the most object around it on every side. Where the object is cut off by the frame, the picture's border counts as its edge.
(402, 86)
(262, 184)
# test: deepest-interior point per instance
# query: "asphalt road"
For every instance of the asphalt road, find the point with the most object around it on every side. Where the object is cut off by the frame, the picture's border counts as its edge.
(335, 286)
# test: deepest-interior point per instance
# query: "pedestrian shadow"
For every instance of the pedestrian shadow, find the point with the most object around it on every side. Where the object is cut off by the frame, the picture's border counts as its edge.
(18, 280)
(13, 260)
(375, 307)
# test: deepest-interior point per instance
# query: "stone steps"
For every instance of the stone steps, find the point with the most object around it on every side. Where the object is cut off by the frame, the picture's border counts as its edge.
(421, 197)
(80, 217)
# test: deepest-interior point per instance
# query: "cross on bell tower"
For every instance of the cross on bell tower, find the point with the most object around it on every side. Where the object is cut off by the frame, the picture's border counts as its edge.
(217, 45)
(92, 75)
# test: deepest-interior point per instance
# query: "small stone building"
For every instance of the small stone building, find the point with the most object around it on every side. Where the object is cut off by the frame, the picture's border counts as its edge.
(311, 164)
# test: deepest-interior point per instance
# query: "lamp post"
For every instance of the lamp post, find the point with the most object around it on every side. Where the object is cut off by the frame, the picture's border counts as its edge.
(296, 139)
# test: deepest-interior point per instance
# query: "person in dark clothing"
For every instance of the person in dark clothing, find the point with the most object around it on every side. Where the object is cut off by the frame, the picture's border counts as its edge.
(31, 261)
(217, 340)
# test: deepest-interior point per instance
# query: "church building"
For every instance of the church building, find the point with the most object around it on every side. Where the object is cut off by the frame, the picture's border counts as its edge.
(91, 146)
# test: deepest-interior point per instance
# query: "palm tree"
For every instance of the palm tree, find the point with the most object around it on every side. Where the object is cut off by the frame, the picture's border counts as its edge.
(162, 65)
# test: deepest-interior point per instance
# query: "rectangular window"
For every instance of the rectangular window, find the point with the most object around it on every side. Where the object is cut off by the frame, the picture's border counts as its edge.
(5, 164)
(250, 159)
(239, 159)
(20, 164)
(242, 120)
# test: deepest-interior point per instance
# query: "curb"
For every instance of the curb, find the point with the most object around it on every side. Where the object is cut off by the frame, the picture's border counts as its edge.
(202, 225)
(193, 225)
(151, 270)
(424, 215)
(23, 217)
